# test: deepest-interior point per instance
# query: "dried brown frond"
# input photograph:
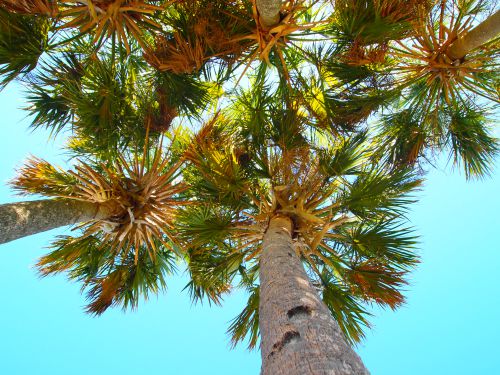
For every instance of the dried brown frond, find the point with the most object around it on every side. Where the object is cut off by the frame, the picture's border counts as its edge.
(103, 293)
(176, 54)
(359, 55)
(402, 10)
(209, 31)
(161, 120)
(45, 7)
(106, 17)
(377, 282)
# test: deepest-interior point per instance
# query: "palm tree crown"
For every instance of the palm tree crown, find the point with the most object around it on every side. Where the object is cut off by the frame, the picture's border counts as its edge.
(345, 211)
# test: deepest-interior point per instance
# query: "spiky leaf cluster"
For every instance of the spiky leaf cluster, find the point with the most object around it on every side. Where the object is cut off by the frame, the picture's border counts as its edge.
(125, 249)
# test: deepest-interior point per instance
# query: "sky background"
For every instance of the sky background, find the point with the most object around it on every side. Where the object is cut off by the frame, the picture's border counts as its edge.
(449, 324)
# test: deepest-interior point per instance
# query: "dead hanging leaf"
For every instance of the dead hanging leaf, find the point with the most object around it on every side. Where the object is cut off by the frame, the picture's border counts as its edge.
(211, 31)
(176, 54)
(359, 55)
(45, 7)
(376, 282)
(161, 119)
(104, 291)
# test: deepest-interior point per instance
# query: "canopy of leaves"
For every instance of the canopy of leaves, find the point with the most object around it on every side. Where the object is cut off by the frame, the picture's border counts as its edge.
(321, 117)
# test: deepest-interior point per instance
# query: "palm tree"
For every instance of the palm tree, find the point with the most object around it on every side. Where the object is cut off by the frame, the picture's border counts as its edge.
(125, 212)
(296, 178)
(278, 200)
(128, 202)
(434, 78)
(475, 38)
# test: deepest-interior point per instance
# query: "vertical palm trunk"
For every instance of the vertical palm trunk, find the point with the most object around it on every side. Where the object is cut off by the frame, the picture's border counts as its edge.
(298, 333)
(269, 11)
(482, 33)
(25, 218)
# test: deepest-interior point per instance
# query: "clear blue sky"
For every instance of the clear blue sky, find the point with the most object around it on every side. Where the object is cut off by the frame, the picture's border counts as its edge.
(448, 326)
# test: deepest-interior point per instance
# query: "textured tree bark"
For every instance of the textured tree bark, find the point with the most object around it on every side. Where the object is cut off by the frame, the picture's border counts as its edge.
(298, 333)
(25, 218)
(482, 33)
(269, 11)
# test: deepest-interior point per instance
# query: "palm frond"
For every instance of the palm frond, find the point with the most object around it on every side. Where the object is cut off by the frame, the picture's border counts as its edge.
(32, 7)
(246, 324)
(346, 310)
(380, 193)
(142, 195)
(23, 39)
(37, 176)
(110, 280)
(471, 142)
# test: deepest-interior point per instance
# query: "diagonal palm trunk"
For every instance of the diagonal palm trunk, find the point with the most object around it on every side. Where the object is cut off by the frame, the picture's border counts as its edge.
(25, 218)
(269, 11)
(299, 335)
(482, 33)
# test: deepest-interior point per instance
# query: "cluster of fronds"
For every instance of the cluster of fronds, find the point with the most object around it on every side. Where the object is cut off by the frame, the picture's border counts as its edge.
(291, 145)
(202, 30)
(424, 57)
(104, 18)
(141, 196)
(23, 39)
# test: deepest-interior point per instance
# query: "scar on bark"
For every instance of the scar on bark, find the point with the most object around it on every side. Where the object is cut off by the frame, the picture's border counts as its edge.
(288, 337)
(301, 311)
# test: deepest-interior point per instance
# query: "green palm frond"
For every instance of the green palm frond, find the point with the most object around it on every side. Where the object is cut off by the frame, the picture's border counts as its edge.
(471, 142)
(129, 281)
(378, 192)
(218, 172)
(375, 21)
(246, 324)
(403, 138)
(23, 39)
(98, 98)
(82, 258)
(184, 92)
(346, 158)
(205, 224)
(346, 309)
(384, 241)
(212, 271)
(110, 280)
